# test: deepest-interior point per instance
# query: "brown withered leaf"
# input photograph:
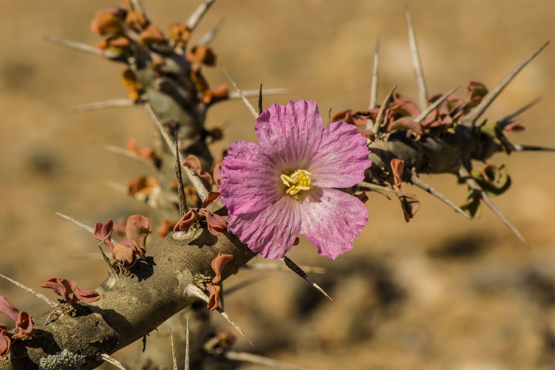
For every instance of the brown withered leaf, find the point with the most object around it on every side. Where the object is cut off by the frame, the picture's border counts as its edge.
(69, 291)
(216, 223)
(23, 321)
(410, 205)
(101, 232)
(152, 34)
(214, 299)
(137, 230)
(144, 188)
(108, 21)
(405, 123)
(397, 166)
(211, 197)
(186, 221)
(218, 265)
(5, 341)
(129, 81)
(193, 163)
(202, 54)
(179, 33)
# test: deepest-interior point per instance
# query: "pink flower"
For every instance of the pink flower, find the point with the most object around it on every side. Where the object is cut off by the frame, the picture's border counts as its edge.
(286, 184)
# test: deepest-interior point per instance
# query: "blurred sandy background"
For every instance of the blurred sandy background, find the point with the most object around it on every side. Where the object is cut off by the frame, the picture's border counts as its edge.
(438, 293)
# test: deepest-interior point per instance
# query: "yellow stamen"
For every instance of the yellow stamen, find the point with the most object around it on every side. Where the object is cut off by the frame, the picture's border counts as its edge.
(297, 181)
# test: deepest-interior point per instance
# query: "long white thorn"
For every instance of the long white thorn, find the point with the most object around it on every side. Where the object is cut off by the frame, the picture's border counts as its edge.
(80, 224)
(381, 113)
(375, 77)
(436, 104)
(260, 360)
(126, 153)
(82, 47)
(38, 295)
(240, 92)
(417, 64)
(195, 180)
(279, 267)
(210, 35)
(430, 189)
(112, 361)
(195, 18)
(114, 103)
(471, 118)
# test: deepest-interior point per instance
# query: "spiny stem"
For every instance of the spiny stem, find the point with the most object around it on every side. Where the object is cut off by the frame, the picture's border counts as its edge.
(38, 295)
(465, 175)
(197, 15)
(255, 359)
(113, 103)
(195, 180)
(471, 118)
(430, 189)
(417, 64)
(297, 270)
(210, 35)
(247, 103)
(435, 104)
(379, 118)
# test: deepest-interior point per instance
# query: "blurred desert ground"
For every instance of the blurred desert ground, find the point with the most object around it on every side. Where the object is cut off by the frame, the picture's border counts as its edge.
(439, 292)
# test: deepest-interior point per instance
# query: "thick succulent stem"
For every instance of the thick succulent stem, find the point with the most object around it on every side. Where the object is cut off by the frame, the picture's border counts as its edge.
(130, 307)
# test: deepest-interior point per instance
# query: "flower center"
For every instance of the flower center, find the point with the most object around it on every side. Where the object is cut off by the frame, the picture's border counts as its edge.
(297, 181)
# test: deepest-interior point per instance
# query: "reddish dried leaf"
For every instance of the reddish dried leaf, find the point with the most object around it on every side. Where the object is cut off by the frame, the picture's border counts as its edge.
(410, 205)
(193, 163)
(151, 34)
(5, 341)
(397, 166)
(66, 288)
(214, 299)
(107, 22)
(211, 197)
(202, 54)
(218, 265)
(102, 231)
(186, 221)
(476, 89)
(201, 83)
(514, 126)
(126, 253)
(362, 196)
(8, 308)
(24, 324)
(216, 224)
(137, 229)
(179, 32)
(217, 174)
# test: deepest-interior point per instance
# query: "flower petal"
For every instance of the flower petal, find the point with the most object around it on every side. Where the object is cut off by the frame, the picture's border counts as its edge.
(341, 159)
(250, 179)
(332, 219)
(291, 133)
(270, 231)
